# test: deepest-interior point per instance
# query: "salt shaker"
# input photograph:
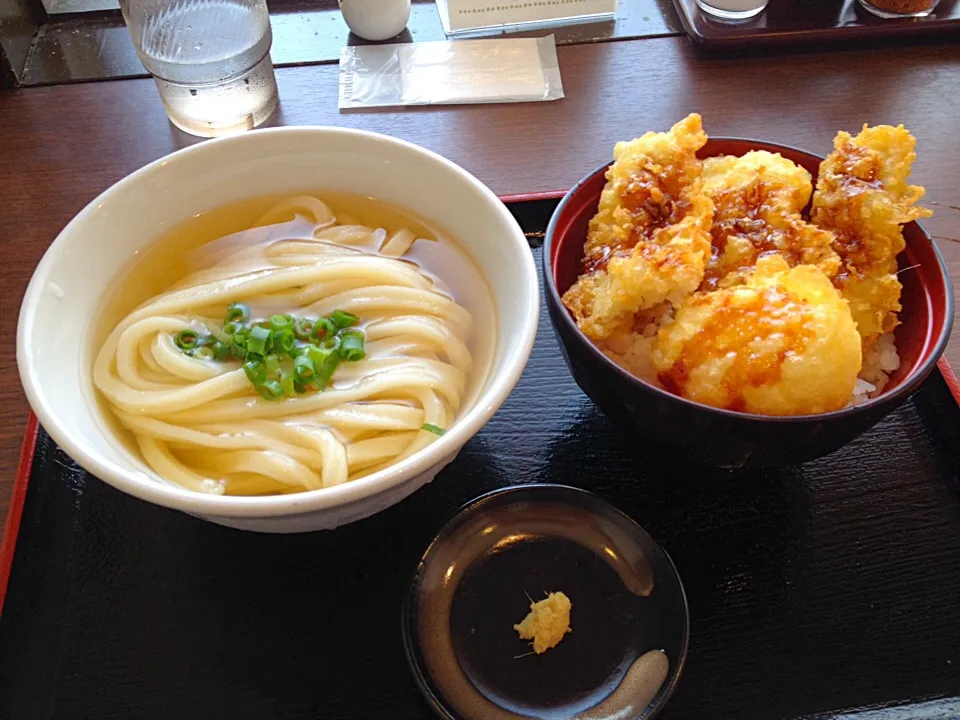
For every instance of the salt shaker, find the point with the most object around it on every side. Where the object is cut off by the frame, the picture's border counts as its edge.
(375, 19)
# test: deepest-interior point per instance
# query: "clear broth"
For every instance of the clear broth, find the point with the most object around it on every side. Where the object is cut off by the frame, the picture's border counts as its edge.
(174, 255)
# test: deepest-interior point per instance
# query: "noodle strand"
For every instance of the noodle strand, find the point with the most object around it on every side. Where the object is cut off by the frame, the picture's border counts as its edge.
(200, 424)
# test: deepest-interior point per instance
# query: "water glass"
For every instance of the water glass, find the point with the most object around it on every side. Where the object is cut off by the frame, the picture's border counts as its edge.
(210, 60)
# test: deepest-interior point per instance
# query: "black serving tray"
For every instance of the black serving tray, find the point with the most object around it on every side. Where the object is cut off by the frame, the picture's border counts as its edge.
(814, 590)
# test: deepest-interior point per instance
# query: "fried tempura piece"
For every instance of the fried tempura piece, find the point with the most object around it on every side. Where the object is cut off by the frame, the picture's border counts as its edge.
(649, 241)
(758, 199)
(863, 197)
(784, 343)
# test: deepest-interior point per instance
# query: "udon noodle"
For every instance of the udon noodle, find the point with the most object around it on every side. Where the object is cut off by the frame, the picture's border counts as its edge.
(201, 424)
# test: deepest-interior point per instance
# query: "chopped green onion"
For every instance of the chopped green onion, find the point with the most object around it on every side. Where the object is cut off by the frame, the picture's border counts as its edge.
(324, 328)
(283, 355)
(257, 342)
(256, 372)
(272, 363)
(219, 334)
(287, 382)
(187, 339)
(265, 325)
(433, 429)
(284, 340)
(271, 390)
(279, 322)
(298, 349)
(326, 370)
(221, 351)
(351, 346)
(331, 342)
(303, 328)
(317, 355)
(343, 319)
(238, 343)
(238, 312)
(304, 369)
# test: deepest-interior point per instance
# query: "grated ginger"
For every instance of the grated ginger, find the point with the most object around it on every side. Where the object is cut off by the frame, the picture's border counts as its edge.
(547, 622)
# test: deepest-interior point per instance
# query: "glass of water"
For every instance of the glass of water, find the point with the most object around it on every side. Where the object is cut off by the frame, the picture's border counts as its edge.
(210, 60)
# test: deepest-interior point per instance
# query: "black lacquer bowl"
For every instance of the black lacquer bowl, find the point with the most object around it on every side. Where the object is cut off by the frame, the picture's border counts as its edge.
(629, 620)
(727, 438)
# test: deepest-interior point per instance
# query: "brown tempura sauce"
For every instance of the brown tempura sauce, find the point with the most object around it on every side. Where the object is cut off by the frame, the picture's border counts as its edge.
(654, 200)
(740, 213)
(734, 325)
(859, 173)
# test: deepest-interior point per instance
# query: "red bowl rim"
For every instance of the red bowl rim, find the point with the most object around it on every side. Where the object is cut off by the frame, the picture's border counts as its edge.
(906, 387)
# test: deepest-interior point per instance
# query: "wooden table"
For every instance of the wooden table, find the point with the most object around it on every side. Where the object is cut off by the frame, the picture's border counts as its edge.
(61, 146)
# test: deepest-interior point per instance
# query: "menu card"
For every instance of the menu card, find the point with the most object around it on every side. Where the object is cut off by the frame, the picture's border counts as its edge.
(459, 16)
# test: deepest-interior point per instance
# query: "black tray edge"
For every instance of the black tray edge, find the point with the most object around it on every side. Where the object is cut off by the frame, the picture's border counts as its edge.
(790, 38)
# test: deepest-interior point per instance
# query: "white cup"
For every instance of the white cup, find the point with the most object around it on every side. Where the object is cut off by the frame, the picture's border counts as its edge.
(375, 19)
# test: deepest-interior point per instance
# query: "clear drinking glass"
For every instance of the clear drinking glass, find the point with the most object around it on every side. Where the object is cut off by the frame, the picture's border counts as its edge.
(210, 60)
(732, 9)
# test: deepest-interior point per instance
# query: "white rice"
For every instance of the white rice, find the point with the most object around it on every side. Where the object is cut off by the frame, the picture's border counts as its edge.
(862, 391)
(631, 350)
(879, 363)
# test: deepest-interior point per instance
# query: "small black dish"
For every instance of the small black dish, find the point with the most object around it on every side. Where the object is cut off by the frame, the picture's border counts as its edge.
(629, 619)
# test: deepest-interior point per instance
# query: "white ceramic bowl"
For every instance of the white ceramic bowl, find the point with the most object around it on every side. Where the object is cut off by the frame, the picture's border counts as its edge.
(57, 315)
